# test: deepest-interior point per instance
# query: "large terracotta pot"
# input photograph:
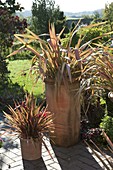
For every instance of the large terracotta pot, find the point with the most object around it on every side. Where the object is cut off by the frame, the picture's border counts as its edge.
(31, 149)
(64, 102)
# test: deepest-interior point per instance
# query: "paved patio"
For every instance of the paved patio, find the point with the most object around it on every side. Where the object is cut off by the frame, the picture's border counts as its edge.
(78, 157)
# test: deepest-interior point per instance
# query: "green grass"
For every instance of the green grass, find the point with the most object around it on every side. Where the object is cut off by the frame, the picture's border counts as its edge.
(19, 73)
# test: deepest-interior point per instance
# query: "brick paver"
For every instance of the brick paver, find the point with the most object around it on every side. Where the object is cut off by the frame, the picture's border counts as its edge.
(78, 157)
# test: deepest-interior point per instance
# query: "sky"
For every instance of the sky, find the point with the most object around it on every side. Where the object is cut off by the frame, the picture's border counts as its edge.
(72, 5)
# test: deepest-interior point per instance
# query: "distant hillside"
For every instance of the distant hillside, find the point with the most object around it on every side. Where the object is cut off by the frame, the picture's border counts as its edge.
(25, 14)
(67, 14)
(79, 14)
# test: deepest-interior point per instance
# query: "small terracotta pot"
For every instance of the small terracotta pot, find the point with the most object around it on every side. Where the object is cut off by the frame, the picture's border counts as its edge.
(31, 149)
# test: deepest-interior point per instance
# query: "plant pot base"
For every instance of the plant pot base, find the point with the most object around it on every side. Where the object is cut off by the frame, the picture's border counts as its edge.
(64, 141)
(30, 149)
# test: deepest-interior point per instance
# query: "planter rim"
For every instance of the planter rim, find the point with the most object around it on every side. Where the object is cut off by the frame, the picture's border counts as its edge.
(52, 81)
(30, 139)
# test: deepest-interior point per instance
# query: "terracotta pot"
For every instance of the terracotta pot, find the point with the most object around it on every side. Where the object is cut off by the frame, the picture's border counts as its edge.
(64, 102)
(30, 149)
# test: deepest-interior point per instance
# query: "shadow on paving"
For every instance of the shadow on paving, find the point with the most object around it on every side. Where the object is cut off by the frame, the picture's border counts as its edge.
(75, 157)
(34, 165)
(10, 145)
(7, 151)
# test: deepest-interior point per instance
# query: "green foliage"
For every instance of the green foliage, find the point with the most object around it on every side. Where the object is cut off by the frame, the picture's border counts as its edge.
(107, 125)
(1, 142)
(9, 94)
(11, 5)
(91, 33)
(9, 24)
(87, 34)
(108, 14)
(43, 12)
(24, 55)
(97, 17)
(20, 83)
(67, 37)
(92, 107)
(3, 73)
(109, 103)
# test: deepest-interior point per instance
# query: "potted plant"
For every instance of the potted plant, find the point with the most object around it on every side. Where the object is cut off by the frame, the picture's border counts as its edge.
(102, 70)
(29, 122)
(61, 67)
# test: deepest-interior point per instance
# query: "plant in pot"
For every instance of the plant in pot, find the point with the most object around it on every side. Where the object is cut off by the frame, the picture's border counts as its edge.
(102, 80)
(102, 71)
(30, 123)
(61, 67)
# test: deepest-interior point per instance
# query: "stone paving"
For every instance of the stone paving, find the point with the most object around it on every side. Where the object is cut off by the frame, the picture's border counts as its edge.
(78, 157)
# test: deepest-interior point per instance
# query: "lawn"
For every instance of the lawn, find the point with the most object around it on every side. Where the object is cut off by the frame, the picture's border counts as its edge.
(19, 73)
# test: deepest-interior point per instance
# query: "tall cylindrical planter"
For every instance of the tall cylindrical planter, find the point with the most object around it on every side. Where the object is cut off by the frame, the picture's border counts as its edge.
(64, 102)
(31, 149)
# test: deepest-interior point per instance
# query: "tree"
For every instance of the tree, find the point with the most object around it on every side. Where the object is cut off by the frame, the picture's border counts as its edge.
(96, 16)
(43, 12)
(72, 26)
(9, 25)
(11, 6)
(108, 14)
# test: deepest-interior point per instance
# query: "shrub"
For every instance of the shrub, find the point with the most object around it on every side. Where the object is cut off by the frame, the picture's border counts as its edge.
(107, 125)
(1, 142)
(88, 133)
(91, 33)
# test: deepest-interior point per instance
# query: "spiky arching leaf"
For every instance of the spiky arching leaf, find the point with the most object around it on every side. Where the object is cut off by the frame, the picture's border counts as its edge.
(29, 120)
(59, 62)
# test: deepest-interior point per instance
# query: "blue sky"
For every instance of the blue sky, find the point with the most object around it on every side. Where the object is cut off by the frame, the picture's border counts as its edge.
(72, 5)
